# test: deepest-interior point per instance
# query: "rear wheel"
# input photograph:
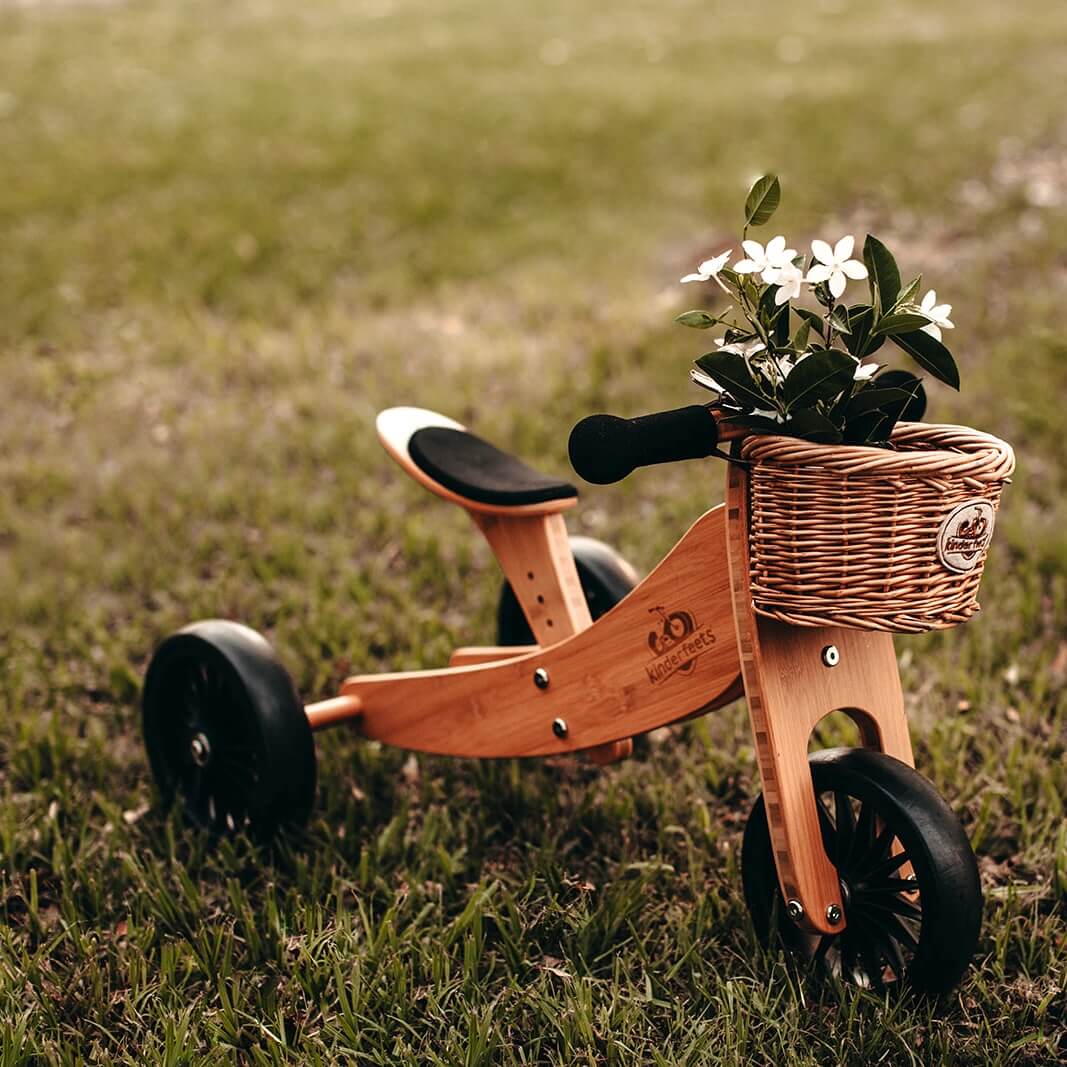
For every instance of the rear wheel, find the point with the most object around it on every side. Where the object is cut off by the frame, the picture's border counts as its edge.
(879, 817)
(225, 731)
(605, 576)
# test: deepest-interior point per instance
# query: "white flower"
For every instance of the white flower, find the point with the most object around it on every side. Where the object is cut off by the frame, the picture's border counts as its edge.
(767, 262)
(745, 350)
(710, 268)
(864, 371)
(938, 314)
(790, 279)
(835, 265)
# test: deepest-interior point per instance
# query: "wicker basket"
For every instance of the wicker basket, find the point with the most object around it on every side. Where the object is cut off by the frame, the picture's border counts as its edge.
(872, 538)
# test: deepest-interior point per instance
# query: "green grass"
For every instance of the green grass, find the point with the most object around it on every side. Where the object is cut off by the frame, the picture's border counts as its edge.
(228, 235)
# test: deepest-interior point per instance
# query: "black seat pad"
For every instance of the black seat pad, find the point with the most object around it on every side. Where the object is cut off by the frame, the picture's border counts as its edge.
(477, 470)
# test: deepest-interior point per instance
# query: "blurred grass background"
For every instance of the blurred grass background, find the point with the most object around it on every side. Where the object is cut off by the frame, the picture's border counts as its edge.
(229, 234)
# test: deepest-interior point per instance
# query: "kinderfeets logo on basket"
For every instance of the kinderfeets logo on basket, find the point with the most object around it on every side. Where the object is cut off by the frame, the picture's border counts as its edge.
(965, 534)
(676, 643)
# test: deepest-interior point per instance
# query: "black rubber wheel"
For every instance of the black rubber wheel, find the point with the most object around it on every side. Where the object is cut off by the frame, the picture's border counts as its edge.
(225, 731)
(605, 576)
(876, 814)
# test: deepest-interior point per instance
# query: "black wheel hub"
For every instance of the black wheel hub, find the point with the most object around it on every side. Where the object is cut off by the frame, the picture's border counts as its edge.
(207, 743)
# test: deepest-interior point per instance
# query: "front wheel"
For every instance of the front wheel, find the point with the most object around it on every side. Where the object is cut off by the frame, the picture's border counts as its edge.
(225, 731)
(878, 817)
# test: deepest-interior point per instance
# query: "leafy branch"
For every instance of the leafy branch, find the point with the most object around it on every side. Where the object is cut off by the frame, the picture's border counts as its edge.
(781, 367)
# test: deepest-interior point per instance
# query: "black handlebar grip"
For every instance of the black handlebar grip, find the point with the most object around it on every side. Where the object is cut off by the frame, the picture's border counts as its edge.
(605, 448)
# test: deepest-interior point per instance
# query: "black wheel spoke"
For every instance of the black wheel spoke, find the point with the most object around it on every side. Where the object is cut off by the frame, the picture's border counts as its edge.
(826, 942)
(864, 838)
(829, 832)
(848, 957)
(199, 791)
(845, 826)
(885, 886)
(890, 950)
(886, 868)
(878, 851)
(872, 963)
(896, 905)
(900, 933)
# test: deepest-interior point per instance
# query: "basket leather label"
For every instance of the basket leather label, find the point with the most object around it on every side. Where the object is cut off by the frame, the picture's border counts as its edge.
(965, 535)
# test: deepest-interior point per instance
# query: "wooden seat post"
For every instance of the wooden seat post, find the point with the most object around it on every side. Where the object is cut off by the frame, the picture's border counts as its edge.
(535, 554)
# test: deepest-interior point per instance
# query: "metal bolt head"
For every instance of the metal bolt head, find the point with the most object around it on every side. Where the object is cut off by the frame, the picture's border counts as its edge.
(200, 749)
(831, 657)
(541, 678)
(833, 914)
(795, 910)
(559, 728)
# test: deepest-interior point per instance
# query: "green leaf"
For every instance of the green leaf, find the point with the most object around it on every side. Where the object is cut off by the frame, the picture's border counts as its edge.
(904, 380)
(733, 335)
(811, 426)
(820, 376)
(871, 399)
(907, 295)
(900, 322)
(812, 318)
(731, 371)
(763, 200)
(800, 338)
(931, 355)
(698, 320)
(774, 317)
(871, 426)
(839, 319)
(883, 273)
(754, 422)
(861, 342)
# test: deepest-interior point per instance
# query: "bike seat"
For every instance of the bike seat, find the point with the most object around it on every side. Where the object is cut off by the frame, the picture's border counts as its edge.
(460, 466)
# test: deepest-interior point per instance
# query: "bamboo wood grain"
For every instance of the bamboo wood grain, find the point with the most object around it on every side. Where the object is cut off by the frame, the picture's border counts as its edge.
(606, 682)
(789, 690)
(535, 555)
(330, 712)
(471, 654)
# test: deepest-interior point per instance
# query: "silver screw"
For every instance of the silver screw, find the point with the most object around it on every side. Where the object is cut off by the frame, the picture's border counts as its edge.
(830, 656)
(200, 749)
(795, 910)
(541, 678)
(559, 727)
(833, 914)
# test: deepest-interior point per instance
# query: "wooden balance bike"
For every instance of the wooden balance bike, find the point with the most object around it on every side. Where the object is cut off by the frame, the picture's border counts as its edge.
(849, 856)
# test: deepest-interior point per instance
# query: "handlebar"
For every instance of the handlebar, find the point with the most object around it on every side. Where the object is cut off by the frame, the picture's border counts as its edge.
(605, 448)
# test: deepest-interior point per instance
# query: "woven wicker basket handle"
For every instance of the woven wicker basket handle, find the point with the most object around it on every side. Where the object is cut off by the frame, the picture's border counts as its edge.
(605, 448)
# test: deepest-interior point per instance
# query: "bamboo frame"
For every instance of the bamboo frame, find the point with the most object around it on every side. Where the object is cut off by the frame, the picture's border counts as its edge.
(790, 689)
(685, 641)
(606, 682)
